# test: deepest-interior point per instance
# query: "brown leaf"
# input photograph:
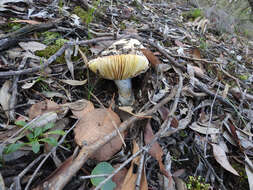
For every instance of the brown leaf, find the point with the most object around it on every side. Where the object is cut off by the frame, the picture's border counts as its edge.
(151, 57)
(196, 53)
(221, 158)
(80, 107)
(174, 122)
(130, 179)
(95, 125)
(119, 177)
(42, 107)
(155, 150)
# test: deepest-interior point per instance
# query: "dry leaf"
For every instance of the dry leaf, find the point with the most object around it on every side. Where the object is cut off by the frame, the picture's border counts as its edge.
(221, 158)
(155, 150)
(151, 57)
(42, 107)
(5, 96)
(204, 129)
(249, 172)
(32, 46)
(95, 125)
(68, 54)
(29, 85)
(196, 53)
(119, 177)
(75, 82)
(80, 107)
(130, 179)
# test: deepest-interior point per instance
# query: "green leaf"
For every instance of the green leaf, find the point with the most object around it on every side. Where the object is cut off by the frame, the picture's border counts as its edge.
(103, 168)
(35, 146)
(57, 132)
(30, 136)
(50, 140)
(37, 132)
(48, 126)
(20, 123)
(13, 147)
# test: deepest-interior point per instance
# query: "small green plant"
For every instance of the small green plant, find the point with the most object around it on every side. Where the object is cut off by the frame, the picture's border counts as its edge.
(35, 137)
(193, 14)
(197, 183)
(203, 45)
(14, 25)
(103, 168)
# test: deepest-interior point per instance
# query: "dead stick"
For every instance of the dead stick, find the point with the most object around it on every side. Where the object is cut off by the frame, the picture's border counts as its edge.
(53, 57)
(59, 181)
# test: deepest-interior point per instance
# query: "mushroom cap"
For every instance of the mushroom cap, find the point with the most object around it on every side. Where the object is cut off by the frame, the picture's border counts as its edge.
(124, 46)
(119, 67)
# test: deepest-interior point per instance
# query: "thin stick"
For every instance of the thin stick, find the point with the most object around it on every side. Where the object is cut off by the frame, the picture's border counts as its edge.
(53, 57)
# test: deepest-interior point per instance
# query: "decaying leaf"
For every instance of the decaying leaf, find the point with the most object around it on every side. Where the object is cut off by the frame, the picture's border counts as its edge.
(95, 125)
(204, 129)
(29, 85)
(130, 179)
(80, 107)
(42, 107)
(32, 46)
(151, 57)
(249, 172)
(5, 96)
(155, 150)
(68, 54)
(221, 158)
(75, 82)
(119, 177)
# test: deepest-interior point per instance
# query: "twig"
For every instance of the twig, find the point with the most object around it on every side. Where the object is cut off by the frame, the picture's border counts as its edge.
(93, 176)
(140, 168)
(13, 99)
(209, 121)
(53, 57)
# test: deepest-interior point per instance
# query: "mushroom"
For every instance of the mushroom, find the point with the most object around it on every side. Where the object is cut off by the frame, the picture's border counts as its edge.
(121, 65)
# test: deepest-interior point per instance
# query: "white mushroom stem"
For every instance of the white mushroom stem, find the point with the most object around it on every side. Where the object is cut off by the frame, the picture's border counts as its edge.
(126, 95)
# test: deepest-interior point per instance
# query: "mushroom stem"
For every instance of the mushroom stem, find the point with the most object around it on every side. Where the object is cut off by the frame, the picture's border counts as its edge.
(126, 95)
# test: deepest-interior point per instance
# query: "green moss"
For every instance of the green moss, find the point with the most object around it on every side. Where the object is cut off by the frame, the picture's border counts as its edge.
(52, 49)
(79, 11)
(50, 36)
(244, 77)
(197, 183)
(122, 26)
(193, 14)
(86, 16)
(12, 26)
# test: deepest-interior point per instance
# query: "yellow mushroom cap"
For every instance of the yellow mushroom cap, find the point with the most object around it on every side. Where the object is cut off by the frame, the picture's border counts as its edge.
(119, 67)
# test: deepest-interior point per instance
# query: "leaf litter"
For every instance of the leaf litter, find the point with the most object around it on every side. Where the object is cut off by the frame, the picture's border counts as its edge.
(195, 101)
